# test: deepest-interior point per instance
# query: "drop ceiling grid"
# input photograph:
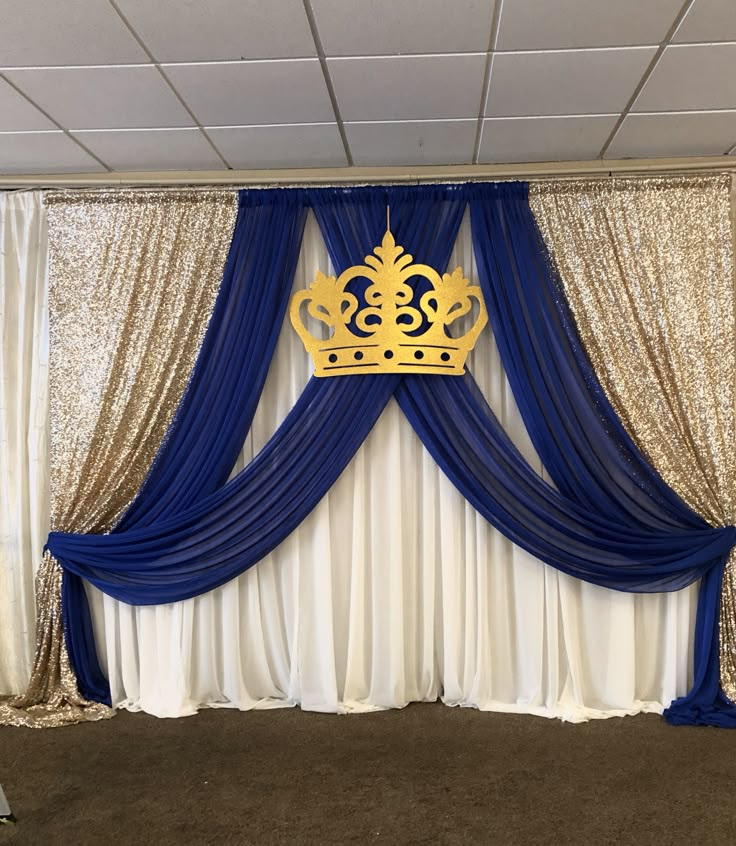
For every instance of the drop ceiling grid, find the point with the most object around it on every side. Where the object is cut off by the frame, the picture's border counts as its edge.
(329, 82)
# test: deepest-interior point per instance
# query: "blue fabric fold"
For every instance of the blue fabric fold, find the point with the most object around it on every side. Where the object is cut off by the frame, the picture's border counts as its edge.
(705, 704)
(611, 519)
(217, 539)
(463, 435)
(575, 430)
(215, 413)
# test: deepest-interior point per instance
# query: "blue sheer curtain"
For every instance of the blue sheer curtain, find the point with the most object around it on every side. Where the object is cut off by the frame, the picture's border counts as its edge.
(225, 533)
(424, 220)
(582, 443)
(612, 520)
(462, 434)
(705, 703)
(216, 411)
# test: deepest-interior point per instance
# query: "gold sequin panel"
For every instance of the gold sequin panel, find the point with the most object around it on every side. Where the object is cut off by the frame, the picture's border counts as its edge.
(133, 277)
(647, 267)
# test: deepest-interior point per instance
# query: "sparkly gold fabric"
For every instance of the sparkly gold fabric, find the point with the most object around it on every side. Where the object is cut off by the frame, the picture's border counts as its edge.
(727, 629)
(647, 266)
(132, 280)
(133, 277)
(51, 698)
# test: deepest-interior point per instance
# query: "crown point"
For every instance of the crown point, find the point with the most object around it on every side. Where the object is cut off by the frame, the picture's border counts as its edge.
(388, 242)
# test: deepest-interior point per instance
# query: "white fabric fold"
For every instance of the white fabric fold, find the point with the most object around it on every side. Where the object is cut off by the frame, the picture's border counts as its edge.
(24, 421)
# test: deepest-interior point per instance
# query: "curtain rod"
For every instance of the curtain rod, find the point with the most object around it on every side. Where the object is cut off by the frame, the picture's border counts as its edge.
(371, 175)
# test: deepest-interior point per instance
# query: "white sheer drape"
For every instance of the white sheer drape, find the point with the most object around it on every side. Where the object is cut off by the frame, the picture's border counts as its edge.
(395, 590)
(24, 500)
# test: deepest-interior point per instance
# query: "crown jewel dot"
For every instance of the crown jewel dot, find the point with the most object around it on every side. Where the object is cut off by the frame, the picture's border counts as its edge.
(418, 354)
(333, 357)
(358, 355)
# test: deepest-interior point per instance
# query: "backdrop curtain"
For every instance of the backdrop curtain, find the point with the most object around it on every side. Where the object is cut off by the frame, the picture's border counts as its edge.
(24, 490)
(133, 277)
(72, 546)
(364, 606)
(647, 268)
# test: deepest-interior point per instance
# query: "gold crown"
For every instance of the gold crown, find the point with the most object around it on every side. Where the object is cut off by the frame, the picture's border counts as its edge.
(388, 318)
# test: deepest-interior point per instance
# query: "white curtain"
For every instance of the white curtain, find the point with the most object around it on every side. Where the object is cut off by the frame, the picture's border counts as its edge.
(394, 590)
(24, 493)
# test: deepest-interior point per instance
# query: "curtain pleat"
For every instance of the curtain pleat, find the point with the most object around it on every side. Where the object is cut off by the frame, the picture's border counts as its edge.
(24, 424)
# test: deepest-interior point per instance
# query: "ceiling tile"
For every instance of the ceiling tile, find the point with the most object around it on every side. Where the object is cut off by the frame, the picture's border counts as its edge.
(689, 134)
(688, 78)
(75, 32)
(408, 87)
(258, 147)
(544, 139)
(152, 149)
(192, 31)
(569, 82)
(381, 27)
(16, 113)
(247, 93)
(553, 24)
(412, 142)
(708, 20)
(43, 152)
(103, 98)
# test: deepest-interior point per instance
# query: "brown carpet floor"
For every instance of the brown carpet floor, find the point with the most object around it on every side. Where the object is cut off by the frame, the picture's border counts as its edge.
(427, 774)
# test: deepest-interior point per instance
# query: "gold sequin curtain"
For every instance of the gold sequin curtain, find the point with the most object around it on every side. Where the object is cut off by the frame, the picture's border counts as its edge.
(647, 266)
(133, 277)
